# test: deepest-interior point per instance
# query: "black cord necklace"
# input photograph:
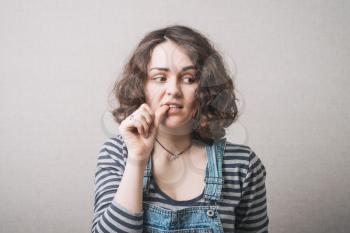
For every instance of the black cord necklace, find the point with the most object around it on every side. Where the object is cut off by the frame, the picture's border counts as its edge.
(173, 156)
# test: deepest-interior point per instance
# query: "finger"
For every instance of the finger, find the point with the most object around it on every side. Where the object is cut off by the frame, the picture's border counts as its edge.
(146, 116)
(145, 125)
(149, 111)
(139, 126)
(131, 123)
(160, 114)
(128, 123)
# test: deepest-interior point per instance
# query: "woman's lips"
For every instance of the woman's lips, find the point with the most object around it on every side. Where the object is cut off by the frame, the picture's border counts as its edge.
(172, 104)
(174, 110)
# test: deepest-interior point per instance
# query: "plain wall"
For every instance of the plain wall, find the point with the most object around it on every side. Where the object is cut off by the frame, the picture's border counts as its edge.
(59, 60)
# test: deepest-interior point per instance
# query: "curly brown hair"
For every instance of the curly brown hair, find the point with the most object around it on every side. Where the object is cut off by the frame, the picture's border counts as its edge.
(215, 99)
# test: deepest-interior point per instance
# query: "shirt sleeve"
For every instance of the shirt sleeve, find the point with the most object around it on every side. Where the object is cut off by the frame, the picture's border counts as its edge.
(251, 213)
(110, 216)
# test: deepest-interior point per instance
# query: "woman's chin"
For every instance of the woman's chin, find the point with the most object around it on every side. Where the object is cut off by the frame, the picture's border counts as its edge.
(175, 127)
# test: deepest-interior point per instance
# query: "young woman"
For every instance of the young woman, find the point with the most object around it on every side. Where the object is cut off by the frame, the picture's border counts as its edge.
(170, 169)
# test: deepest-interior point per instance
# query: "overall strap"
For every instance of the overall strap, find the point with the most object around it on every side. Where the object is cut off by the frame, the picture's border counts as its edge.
(213, 176)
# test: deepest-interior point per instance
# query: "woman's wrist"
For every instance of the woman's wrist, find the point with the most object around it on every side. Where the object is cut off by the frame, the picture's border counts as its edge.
(137, 160)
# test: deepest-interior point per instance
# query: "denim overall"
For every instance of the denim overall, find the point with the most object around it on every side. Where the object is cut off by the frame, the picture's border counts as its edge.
(194, 219)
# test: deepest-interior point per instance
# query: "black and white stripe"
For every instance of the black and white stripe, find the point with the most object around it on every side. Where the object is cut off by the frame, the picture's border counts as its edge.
(242, 209)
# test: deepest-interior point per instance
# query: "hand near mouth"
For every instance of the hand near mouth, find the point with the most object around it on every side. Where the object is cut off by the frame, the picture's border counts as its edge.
(140, 129)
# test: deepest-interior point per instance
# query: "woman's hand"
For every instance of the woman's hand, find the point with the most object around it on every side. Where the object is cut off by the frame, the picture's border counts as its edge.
(139, 131)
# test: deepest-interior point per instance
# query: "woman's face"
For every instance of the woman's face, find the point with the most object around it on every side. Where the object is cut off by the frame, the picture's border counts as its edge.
(171, 78)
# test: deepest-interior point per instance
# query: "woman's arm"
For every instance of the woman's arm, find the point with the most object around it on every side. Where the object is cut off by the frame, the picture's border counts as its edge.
(118, 191)
(251, 213)
(130, 189)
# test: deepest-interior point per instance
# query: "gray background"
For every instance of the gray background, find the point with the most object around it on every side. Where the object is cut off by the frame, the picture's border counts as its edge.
(59, 60)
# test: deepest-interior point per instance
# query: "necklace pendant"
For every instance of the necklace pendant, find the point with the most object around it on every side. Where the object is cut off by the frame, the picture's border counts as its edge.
(172, 157)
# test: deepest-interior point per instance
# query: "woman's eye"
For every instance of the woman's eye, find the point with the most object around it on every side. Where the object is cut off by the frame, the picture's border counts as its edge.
(160, 78)
(190, 79)
(187, 79)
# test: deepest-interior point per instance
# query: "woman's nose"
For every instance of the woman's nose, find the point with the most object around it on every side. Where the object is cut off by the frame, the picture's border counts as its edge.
(173, 87)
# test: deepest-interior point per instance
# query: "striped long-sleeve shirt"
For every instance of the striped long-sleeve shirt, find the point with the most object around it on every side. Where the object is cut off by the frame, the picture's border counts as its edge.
(242, 209)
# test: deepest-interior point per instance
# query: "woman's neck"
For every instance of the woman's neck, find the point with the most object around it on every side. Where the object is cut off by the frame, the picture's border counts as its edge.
(174, 142)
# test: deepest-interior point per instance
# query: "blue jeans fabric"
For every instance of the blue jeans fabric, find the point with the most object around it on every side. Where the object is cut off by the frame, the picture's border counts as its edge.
(195, 219)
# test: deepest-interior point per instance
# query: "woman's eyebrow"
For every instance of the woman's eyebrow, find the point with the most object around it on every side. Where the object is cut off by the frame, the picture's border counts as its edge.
(167, 69)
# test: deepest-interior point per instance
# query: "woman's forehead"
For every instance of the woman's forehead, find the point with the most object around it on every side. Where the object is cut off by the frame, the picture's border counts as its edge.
(169, 55)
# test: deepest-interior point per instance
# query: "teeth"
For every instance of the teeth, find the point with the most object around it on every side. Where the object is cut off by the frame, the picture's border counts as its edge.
(173, 106)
